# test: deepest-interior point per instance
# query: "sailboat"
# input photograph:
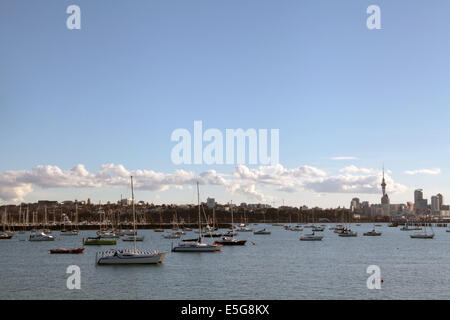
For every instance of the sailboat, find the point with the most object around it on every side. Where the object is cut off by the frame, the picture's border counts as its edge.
(40, 235)
(424, 234)
(230, 241)
(71, 232)
(7, 233)
(196, 245)
(130, 256)
(312, 236)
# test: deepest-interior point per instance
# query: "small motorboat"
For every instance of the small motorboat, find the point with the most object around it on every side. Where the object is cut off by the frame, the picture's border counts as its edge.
(226, 241)
(348, 233)
(262, 231)
(317, 228)
(5, 236)
(67, 251)
(158, 230)
(310, 237)
(372, 233)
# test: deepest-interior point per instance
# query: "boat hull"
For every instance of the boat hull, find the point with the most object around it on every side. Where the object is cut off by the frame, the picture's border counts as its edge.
(67, 251)
(98, 242)
(131, 259)
(231, 243)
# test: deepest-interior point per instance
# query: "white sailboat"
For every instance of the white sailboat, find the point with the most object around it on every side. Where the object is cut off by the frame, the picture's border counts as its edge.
(196, 246)
(424, 234)
(117, 257)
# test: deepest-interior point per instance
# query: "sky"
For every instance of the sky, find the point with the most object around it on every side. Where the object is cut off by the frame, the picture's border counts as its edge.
(82, 110)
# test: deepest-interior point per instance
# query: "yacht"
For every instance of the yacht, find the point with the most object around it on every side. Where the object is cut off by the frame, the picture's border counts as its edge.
(196, 246)
(227, 241)
(424, 234)
(134, 256)
(41, 236)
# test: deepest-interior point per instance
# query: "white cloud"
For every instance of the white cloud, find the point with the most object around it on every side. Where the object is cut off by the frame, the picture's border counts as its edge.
(355, 169)
(344, 158)
(15, 185)
(423, 171)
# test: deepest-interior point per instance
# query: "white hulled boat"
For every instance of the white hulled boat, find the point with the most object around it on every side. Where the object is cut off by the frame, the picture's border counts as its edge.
(196, 246)
(40, 236)
(134, 256)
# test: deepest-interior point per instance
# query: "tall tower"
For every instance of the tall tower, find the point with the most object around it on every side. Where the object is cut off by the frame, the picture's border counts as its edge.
(383, 184)
(385, 197)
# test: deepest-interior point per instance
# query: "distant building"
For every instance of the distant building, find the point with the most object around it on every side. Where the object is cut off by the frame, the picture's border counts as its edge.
(210, 203)
(126, 202)
(435, 205)
(355, 205)
(420, 204)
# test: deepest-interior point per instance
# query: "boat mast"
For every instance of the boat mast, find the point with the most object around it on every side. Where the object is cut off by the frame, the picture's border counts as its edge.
(134, 214)
(232, 225)
(199, 221)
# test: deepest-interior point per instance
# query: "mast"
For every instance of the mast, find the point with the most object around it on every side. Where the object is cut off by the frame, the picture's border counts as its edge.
(134, 214)
(199, 221)
(232, 225)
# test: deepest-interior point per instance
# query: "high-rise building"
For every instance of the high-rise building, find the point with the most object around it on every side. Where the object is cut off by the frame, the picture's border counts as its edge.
(420, 204)
(354, 204)
(441, 200)
(435, 205)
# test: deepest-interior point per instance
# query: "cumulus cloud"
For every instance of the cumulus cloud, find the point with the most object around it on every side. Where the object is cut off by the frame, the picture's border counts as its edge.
(423, 171)
(15, 185)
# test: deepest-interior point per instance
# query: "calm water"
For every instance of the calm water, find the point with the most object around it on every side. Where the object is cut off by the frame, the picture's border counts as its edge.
(277, 266)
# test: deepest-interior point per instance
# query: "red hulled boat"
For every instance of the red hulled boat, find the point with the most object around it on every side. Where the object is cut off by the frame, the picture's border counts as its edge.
(64, 250)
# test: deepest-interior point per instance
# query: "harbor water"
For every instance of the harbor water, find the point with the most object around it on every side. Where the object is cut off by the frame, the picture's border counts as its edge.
(276, 266)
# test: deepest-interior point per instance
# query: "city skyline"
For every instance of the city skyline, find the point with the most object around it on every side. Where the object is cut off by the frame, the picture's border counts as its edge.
(86, 108)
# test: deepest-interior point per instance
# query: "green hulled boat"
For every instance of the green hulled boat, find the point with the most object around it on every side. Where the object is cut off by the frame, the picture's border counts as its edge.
(97, 241)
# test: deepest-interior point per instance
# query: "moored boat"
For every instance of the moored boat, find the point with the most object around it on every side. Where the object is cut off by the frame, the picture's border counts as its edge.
(67, 251)
(98, 241)
(226, 241)
(262, 231)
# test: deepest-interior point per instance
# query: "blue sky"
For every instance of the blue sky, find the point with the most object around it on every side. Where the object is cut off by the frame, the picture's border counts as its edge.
(114, 91)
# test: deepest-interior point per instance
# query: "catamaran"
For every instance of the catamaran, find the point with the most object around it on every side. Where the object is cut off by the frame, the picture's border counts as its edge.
(133, 256)
(196, 245)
